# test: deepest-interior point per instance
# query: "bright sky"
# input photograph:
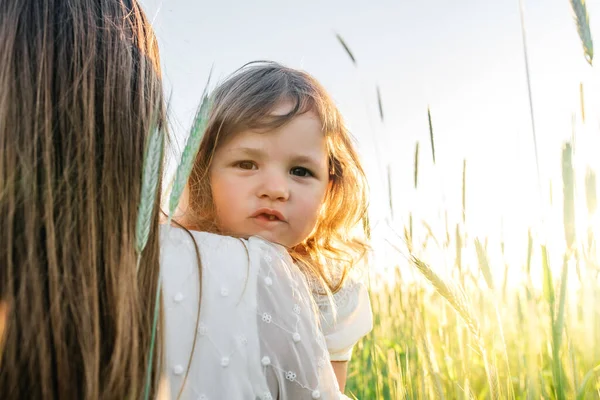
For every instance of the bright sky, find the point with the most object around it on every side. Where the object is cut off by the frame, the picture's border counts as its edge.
(463, 58)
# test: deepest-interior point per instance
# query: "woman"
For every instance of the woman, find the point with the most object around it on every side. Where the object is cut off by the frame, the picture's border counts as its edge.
(80, 89)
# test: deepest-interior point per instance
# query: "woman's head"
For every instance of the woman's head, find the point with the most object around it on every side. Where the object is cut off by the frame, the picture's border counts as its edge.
(277, 161)
(80, 89)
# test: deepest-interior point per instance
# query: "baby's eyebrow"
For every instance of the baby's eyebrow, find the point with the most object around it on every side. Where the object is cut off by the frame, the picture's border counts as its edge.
(258, 153)
(305, 159)
(249, 151)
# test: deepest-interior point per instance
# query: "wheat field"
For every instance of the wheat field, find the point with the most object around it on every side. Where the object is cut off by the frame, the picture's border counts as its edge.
(468, 334)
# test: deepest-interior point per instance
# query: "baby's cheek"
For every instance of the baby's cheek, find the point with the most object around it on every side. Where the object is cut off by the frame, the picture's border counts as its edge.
(228, 212)
(310, 212)
(225, 194)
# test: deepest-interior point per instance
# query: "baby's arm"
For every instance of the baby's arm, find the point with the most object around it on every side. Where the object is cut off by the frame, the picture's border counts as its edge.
(341, 372)
(164, 391)
(343, 327)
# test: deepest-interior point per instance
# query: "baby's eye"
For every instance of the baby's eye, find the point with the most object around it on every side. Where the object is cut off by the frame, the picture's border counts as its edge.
(301, 171)
(246, 165)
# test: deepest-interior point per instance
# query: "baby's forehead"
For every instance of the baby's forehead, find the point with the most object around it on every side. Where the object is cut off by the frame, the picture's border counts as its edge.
(274, 123)
(302, 138)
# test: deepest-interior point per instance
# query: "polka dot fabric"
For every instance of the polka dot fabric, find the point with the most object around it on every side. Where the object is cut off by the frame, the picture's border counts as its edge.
(256, 335)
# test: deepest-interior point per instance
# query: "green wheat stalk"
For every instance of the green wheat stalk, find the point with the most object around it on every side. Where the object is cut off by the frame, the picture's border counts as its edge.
(379, 102)
(582, 20)
(590, 200)
(345, 46)
(152, 340)
(189, 152)
(587, 382)
(560, 318)
(590, 191)
(181, 176)
(459, 245)
(431, 134)
(547, 284)
(457, 300)
(484, 264)
(150, 177)
(530, 96)
(557, 328)
(529, 252)
(568, 195)
(416, 176)
(408, 233)
(573, 365)
(431, 363)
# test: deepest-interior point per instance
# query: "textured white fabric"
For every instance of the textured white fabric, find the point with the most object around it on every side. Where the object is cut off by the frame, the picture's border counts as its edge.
(257, 336)
(346, 319)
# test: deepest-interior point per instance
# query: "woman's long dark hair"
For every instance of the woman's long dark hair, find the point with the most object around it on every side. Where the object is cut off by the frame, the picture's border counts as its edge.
(80, 86)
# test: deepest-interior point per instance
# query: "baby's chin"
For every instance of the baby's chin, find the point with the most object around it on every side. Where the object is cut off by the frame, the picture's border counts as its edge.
(272, 237)
(265, 234)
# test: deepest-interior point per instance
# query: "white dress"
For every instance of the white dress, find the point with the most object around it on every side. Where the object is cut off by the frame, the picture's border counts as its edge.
(257, 336)
(347, 320)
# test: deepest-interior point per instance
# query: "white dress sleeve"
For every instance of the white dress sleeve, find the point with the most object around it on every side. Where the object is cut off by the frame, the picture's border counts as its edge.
(257, 335)
(345, 319)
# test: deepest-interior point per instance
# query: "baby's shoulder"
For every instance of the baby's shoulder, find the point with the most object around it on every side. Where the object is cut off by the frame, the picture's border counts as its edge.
(224, 259)
(344, 300)
(345, 317)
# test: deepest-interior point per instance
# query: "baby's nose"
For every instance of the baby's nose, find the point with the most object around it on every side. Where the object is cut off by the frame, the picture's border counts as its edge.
(275, 187)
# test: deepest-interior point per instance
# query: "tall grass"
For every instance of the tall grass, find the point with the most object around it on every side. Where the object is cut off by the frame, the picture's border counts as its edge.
(459, 332)
(449, 338)
(582, 21)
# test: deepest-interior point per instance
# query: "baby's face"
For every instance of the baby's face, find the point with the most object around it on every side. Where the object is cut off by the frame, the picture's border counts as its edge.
(272, 184)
